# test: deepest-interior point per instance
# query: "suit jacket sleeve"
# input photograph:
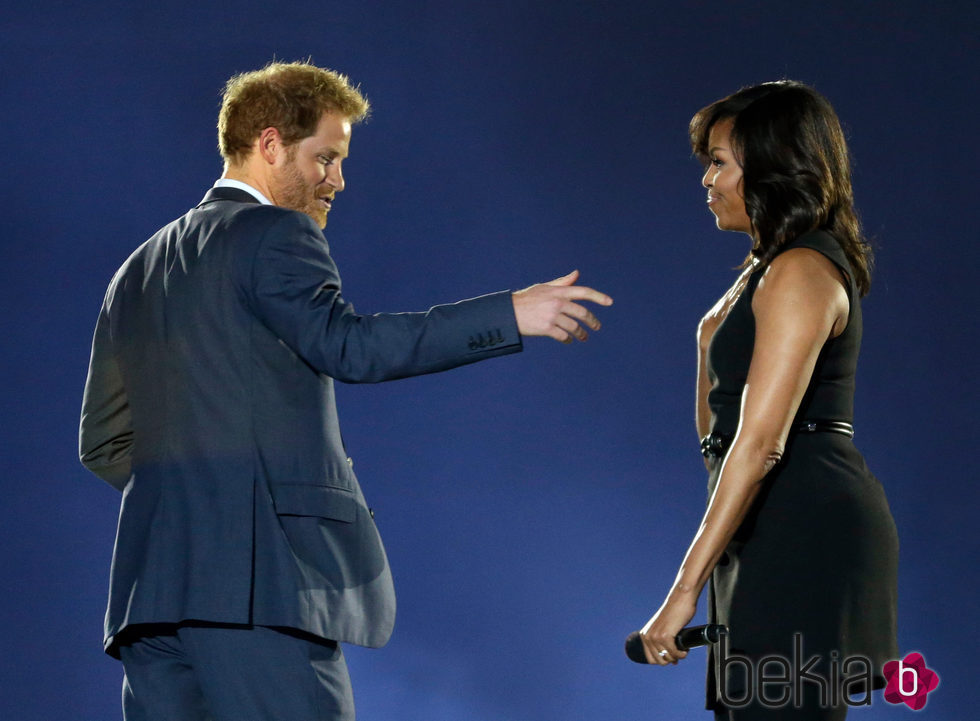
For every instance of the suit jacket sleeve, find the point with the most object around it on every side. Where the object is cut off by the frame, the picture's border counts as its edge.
(294, 289)
(105, 437)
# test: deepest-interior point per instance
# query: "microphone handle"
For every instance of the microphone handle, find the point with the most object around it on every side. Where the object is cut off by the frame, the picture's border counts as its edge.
(686, 639)
(699, 636)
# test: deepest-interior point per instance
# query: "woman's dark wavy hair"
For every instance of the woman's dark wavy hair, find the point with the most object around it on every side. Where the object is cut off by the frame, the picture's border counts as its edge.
(795, 166)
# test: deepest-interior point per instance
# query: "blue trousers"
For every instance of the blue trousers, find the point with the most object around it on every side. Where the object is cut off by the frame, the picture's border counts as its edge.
(202, 672)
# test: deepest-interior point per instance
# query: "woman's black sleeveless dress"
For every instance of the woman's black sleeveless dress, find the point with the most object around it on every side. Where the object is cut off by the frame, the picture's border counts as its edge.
(817, 554)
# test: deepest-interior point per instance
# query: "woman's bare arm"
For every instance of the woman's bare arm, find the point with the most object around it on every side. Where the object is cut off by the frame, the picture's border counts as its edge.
(706, 331)
(799, 304)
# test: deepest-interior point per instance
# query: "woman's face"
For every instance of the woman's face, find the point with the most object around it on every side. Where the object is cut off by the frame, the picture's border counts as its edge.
(723, 179)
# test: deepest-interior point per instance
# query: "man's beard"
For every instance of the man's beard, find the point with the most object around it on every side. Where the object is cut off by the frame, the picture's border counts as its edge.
(296, 194)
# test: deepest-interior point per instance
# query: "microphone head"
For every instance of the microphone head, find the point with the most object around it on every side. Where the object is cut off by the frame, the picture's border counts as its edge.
(634, 648)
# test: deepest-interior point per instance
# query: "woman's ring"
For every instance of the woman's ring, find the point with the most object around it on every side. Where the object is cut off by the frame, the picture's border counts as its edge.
(663, 654)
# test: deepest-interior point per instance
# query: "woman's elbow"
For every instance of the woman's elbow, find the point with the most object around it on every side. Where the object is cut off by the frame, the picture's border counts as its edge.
(771, 460)
(763, 454)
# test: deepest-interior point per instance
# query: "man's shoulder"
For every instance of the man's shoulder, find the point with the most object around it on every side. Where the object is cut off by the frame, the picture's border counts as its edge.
(236, 217)
(237, 226)
(224, 218)
(215, 222)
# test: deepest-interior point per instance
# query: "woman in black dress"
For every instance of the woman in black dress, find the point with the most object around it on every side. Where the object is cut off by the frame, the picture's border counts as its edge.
(797, 546)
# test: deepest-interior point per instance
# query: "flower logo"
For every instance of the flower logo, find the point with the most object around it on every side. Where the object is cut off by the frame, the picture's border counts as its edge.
(909, 681)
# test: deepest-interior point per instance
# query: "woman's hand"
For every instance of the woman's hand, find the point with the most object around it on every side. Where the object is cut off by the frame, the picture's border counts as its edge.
(659, 633)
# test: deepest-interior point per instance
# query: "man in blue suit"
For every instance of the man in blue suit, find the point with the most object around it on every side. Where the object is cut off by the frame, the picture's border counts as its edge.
(245, 551)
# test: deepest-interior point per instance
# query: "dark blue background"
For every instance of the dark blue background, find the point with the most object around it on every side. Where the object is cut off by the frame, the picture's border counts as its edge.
(535, 508)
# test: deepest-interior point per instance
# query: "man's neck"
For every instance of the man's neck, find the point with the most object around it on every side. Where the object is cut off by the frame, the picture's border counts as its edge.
(242, 175)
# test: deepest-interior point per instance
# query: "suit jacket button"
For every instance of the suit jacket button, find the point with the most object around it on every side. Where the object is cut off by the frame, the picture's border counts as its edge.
(350, 462)
(371, 511)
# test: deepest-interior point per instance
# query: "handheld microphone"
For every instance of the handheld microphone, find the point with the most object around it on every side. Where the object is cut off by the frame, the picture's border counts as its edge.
(687, 638)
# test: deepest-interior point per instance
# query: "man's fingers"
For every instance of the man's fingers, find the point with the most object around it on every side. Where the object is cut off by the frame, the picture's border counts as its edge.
(568, 322)
(582, 313)
(560, 335)
(565, 279)
(578, 292)
(571, 326)
(550, 309)
(581, 292)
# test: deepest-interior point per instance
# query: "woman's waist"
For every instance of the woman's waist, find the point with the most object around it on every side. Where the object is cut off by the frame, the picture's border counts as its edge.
(827, 463)
(823, 401)
(716, 444)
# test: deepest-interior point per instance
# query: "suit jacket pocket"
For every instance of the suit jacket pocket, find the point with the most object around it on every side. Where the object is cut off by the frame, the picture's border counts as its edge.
(294, 499)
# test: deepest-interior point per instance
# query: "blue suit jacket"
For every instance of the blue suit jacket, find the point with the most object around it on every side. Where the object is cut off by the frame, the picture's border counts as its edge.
(210, 404)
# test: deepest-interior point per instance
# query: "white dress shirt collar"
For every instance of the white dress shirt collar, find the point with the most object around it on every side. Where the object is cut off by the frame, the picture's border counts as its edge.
(229, 183)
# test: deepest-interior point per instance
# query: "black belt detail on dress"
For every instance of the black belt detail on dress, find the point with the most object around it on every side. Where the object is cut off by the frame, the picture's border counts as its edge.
(715, 445)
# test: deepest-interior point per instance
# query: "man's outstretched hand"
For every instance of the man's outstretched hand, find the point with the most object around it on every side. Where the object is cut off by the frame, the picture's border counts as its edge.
(549, 309)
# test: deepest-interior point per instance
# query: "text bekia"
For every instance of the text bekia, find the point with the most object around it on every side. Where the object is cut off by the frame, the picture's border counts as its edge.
(776, 681)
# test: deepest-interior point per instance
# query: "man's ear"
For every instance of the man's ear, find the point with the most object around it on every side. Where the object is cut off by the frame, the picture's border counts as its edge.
(270, 145)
